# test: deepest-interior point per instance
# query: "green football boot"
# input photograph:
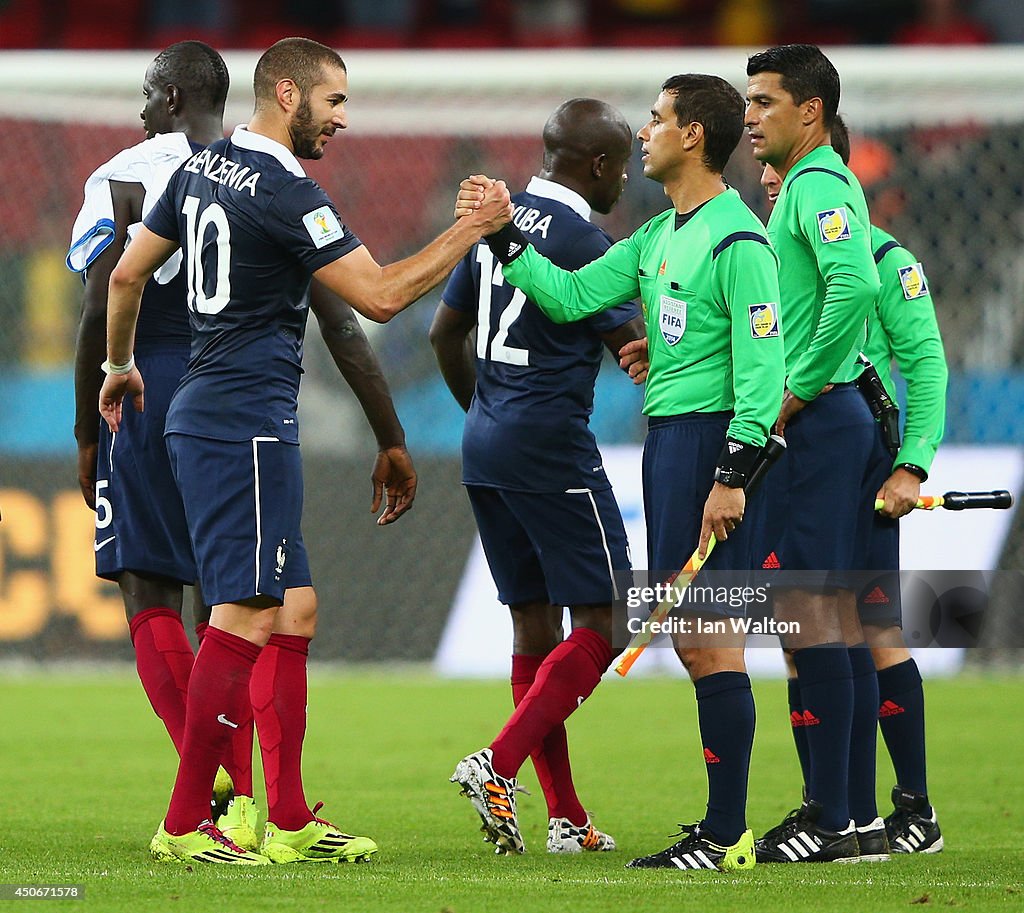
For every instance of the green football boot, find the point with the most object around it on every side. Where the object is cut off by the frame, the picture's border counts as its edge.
(318, 841)
(205, 844)
(238, 823)
(223, 790)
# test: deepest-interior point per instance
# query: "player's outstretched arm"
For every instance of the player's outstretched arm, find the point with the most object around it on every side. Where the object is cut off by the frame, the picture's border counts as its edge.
(91, 343)
(380, 292)
(451, 338)
(124, 295)
(393, 474)
(562, 295)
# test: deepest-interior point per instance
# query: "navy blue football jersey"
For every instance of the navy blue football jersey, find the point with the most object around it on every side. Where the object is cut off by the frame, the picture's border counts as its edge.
(163, 318)
(528, 426)
(252, 229)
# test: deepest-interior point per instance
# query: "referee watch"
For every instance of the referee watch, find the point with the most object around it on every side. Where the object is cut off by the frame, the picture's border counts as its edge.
(913, 469)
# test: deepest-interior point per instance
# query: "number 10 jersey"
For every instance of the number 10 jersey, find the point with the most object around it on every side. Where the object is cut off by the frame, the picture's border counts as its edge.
(253, 229)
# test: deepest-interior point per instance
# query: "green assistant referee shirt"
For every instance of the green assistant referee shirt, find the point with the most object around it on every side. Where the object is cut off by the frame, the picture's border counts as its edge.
(902, 326)
(821, 232)
(709, 286)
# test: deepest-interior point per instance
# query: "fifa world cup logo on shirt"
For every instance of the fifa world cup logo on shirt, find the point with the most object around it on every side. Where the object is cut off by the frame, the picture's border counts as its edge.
(764, 322)
(321, 220)
(913, 281)
(834, 225)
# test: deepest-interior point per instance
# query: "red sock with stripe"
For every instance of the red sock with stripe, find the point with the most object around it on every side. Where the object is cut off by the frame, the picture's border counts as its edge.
(278, 694)
(237, 760)
(551, 760)
(564, 680)
(163, 657)
(218, 697)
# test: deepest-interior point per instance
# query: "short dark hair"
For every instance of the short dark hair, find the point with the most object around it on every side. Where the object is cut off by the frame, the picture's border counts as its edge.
(585, 128)
(806, 73)
(716, 105)
(300, 59)
(195, 68)
(841, 139)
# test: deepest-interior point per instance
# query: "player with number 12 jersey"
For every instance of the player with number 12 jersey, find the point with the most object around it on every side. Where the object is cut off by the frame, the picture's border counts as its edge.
(528, 426)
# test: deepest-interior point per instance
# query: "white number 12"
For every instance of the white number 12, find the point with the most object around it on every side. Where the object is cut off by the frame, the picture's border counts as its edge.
(499, 351)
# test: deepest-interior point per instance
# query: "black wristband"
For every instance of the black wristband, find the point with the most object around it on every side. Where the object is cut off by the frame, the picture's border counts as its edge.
(507, 243)
(914, 470)
(735, 463)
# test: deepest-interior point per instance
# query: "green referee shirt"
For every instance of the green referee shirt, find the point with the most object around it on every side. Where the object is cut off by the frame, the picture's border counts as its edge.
(708, 281)
(821, 232)
(902, 326)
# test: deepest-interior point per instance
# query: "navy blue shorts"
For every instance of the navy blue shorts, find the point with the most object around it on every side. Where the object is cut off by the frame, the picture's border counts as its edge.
(566, 548)
(878, 589)
(818, 497)
(243, 503)
(680, 456)
(140, 520)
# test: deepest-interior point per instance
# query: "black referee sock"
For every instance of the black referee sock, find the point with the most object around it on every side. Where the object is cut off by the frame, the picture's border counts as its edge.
(725, 711)
(827, 691)
(863, 736)
(901, 717)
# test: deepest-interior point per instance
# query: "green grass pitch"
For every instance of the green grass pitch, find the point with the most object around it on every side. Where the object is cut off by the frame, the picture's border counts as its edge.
(85, 771)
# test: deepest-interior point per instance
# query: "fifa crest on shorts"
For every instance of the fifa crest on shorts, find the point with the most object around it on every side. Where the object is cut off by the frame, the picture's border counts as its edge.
(913, 281)
(673, 319)
(764, 320)
(834, 225)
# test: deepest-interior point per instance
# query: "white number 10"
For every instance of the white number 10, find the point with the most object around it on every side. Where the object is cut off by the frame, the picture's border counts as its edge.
(213, 215)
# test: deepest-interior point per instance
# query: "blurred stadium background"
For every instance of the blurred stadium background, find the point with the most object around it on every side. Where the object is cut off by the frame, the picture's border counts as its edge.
(441, 89)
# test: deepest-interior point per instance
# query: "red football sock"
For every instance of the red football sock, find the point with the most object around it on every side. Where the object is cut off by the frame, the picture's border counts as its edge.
(278, 694)
(218, 698)
(237, 760)
(564, 680)
(164, 659)
(551, 760)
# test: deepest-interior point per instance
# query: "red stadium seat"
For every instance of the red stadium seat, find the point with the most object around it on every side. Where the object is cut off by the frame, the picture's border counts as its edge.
(260, 35)
(470, 36)
(552, 38)
(23, 24)
(365, 39)
(114, 24)
(162, 38)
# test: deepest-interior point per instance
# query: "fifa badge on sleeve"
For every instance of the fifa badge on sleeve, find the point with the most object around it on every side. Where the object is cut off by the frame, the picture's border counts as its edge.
(834, 225)
(914, 283)
(764, 320)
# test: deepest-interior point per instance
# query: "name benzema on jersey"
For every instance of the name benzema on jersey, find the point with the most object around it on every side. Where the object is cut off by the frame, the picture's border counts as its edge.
(220, 170)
